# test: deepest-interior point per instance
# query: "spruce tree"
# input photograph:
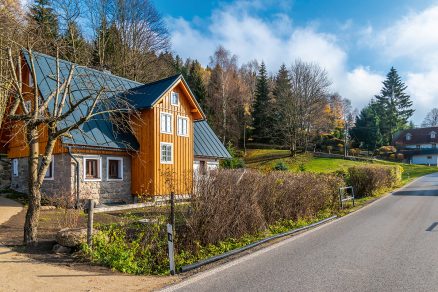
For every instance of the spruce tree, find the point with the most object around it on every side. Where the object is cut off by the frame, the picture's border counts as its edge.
(262, 122)
(394, 106)
(282, 95)
(196, 82)
(46, 20)
(367, 128)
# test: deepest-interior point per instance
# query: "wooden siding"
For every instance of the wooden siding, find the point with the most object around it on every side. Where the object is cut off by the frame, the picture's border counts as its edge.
(148, 170)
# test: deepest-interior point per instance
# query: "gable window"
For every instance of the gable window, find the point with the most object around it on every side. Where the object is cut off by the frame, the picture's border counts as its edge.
(432, 135)
(15, 167)
(408, 137)
(166, 123)
(115, 168)
(92, 169)
(166, 153)
(174, 98)
(51, 170)
(183, 123)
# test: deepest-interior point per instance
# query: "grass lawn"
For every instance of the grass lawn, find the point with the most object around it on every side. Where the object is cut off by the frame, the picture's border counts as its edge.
(265, 160)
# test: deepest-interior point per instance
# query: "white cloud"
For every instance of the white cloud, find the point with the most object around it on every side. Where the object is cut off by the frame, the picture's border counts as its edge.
(275, 41)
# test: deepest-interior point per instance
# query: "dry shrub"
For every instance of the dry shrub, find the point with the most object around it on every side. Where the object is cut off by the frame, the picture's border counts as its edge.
(232, 203)
(368, 180)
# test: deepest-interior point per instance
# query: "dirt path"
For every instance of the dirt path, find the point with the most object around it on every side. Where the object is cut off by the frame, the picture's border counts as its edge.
(20, 273)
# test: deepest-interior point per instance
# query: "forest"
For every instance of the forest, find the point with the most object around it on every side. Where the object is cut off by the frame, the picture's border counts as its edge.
(292, 108)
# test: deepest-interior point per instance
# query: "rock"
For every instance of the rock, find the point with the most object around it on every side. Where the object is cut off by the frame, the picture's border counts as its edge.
(71, 237)
(57, 248)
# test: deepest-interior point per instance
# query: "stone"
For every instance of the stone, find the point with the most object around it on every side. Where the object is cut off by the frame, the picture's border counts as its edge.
(57, 248)
(71, 237)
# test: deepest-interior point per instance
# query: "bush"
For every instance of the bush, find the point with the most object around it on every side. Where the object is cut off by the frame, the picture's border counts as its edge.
(281, 166)
(369, 180)
(231, 204)
(235, 161)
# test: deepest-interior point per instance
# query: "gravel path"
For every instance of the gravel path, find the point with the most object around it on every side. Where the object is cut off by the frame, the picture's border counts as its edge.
(391, 245)
(20, 273)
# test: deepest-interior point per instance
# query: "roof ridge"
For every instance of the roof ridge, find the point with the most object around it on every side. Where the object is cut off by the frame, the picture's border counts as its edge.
(82, 66)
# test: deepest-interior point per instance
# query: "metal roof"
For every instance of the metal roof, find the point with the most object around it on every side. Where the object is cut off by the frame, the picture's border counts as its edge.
(98, 131)
(207, 144)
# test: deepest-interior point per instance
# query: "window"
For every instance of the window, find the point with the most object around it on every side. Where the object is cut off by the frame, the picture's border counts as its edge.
(174, 98)
(15, 167)
(28, 105)
(166, 123)
(92, 169)
(51, 170)
(183, 129)
(432, 135)
(114, 168)
(408, 137)
(166, 153)
(429, 157)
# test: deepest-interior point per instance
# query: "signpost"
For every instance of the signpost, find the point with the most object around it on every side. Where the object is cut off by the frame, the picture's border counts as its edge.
(170, 246)
(346, 194)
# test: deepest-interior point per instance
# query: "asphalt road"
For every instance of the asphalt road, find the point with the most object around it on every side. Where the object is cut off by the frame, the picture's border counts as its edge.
(391, 245)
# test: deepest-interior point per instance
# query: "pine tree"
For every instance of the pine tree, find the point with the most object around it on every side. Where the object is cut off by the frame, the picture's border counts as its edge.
(394, 106)
(196, 82)
(367, 128)
(262, 122)
(282, 95)
(46, 21)
(77, 49)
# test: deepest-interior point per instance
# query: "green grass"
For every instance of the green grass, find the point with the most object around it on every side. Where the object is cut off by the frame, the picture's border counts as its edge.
(265, 160)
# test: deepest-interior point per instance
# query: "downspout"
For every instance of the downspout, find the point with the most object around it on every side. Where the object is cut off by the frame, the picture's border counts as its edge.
(77, 176)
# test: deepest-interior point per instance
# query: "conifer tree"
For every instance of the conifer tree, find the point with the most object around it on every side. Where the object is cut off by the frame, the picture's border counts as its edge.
(196, 82)
(46, 22)
(367, 128)
(282, 95)
(394, 106)
(262, 121)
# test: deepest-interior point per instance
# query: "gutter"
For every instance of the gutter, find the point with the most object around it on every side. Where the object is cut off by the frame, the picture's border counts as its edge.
(77, 175)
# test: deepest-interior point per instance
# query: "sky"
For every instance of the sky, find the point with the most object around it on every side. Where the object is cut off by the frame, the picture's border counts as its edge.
(357, 42)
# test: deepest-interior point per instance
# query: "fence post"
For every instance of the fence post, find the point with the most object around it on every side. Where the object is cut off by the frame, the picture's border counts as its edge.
(170, 247)
(90, 222)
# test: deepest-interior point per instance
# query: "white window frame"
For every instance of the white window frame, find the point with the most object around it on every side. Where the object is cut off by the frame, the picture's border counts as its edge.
(161, 154)
(163, 131)
(172, 93)
(120, 159)
(52, 166)
(432, 135)
(408, 137)
(178, 127)
(84, 172)
(15, 167)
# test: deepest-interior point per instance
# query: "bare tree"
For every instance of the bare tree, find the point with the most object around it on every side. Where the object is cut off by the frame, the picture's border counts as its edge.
(34, 111)
(301, 108)
(431, 119)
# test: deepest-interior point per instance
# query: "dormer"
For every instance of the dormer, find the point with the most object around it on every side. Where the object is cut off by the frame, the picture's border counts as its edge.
(432, 135)
(408, 137)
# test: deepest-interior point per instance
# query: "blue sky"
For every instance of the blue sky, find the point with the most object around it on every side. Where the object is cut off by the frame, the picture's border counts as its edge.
(355, 41)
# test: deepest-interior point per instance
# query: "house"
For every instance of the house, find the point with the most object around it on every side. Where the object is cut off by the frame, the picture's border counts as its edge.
(171, 139)
(419, 146)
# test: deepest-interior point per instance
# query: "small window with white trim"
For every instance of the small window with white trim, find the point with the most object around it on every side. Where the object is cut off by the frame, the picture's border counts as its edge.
(166, 153)
(166, 123)
(183, 123)
(15, 167)
(92, 168)
(114, 168)
(50, 170)
(408, 136)
(174, 98)
(432, 135)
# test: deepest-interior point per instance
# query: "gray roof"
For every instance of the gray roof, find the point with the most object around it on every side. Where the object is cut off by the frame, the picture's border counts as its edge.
(207, 144)
(99, 131)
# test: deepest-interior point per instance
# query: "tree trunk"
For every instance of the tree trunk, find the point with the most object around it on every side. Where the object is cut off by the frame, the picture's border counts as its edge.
(33, 212)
